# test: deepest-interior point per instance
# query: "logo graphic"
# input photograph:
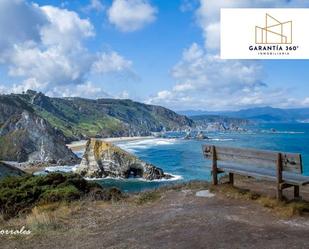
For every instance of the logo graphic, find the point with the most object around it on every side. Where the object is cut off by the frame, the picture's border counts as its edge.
(274, 32)
(264, 33)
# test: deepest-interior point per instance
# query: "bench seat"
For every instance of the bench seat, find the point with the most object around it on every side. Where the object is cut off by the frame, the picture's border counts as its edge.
(263, 173)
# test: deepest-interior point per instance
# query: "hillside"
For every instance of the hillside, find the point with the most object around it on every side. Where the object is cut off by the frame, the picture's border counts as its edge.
(79, 118)
(259, 114)
(205, 119)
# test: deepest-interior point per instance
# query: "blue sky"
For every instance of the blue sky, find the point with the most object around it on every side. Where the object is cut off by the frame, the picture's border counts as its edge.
(154, 51)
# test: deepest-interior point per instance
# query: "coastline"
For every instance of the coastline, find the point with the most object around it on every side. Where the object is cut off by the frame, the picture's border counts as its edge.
(80, 145)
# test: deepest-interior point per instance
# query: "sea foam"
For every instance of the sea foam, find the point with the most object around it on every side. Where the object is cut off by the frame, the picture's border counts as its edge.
(139, 179)
(134, 146)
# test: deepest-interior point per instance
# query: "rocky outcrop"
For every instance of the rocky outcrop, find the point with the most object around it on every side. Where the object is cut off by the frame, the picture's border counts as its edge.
(28, 137)
(8, 170)
(103, 159)
(195, 135)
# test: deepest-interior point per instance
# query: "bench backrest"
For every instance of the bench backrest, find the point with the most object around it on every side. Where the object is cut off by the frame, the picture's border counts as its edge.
(291, 162)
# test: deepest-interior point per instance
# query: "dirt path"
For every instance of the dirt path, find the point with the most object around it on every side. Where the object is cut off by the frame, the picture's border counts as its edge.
(178, 219)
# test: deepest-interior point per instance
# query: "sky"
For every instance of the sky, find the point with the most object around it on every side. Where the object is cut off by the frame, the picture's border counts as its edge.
(162, 52)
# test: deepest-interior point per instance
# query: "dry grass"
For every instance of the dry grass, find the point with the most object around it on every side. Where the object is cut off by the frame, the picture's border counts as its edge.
(148, 197)
(41, 220)
(154, 195)
(282, 208)
(48, 217)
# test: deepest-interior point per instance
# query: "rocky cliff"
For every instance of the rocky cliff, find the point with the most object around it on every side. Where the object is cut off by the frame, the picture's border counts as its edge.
(28, 137)
(103, 159)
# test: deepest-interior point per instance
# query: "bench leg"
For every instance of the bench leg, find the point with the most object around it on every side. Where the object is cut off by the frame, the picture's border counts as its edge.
(296, 192)
(214, 177)
(279, 193)
(231, 178)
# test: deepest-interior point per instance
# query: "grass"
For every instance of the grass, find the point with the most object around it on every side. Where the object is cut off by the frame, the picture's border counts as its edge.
(39, 220)
(283, 208)
(155, 195)
(148, 197)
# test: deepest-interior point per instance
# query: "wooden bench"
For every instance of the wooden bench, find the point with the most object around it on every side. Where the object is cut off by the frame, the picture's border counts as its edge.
(283, 168)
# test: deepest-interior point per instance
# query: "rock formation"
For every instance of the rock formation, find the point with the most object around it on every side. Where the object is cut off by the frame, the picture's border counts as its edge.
(103, 159)
(28, 137)
(196, 135)
(201, 136)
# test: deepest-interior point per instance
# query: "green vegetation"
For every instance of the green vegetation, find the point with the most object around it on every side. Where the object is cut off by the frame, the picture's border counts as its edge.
(21, 194)
(79, 118)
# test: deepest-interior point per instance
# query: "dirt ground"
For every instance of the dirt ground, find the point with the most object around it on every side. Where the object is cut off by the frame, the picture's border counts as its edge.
(176, 218)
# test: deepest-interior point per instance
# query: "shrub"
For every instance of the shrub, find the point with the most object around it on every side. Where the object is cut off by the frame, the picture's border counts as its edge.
(21, 193)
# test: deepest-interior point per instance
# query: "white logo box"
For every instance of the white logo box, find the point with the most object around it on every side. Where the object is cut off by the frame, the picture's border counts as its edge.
(258, 33)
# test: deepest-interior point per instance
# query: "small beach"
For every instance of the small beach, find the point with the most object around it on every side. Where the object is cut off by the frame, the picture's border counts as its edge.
(80, 145)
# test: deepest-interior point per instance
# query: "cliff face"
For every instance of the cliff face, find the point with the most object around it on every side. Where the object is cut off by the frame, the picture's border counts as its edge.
(103, 159)
(28, 137)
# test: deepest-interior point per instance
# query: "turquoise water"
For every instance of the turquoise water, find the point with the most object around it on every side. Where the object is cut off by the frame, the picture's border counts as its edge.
(184, 157)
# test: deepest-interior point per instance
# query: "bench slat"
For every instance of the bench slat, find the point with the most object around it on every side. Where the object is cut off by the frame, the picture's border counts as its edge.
(264, 173)
(291, 162)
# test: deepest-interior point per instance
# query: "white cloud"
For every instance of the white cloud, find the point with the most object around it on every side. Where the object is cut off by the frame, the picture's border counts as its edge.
(65, 28)
(85, 90)
(110, 62)
(30, 83)
(59, 57)
(95, 5)
(19, 22)
(46, 50)
(51, 65)
(123, 95)
(131, 15)
(201, 71)
(204, 81)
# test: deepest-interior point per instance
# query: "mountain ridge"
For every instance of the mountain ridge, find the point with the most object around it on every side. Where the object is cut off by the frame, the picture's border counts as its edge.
(80, 118)
(258, 114)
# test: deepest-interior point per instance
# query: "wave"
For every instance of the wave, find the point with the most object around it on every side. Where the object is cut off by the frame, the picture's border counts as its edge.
(221, 139)
(134, 146)
(290, 132)
(283, 132)
(68, 169)
(174, 178)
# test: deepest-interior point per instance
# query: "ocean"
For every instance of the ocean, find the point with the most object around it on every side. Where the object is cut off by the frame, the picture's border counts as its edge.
(184, 159)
